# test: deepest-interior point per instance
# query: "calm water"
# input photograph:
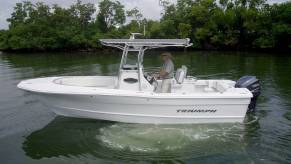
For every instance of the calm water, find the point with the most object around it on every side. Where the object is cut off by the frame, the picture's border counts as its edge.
(30, 133)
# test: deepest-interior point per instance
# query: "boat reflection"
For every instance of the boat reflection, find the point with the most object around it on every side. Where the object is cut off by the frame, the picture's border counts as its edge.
(75, 138)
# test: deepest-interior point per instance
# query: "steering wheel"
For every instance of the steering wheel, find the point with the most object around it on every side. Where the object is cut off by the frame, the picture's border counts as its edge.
(150, 78)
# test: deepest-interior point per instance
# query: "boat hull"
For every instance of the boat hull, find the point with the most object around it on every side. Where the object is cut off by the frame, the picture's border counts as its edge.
(95, 97)
(148, 109)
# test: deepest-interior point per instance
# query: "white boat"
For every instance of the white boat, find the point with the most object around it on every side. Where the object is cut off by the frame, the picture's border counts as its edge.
(134, 97)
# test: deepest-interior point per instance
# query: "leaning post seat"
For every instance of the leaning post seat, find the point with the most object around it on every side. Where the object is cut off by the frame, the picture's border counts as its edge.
(181, 74)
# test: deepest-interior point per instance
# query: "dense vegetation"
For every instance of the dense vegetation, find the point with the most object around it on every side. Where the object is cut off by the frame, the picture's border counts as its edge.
(211, 24)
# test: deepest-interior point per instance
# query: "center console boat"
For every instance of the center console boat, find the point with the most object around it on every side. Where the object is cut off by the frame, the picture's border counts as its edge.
(134, 97)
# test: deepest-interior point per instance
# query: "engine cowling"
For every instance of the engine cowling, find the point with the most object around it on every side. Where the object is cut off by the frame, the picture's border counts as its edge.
(253, 85)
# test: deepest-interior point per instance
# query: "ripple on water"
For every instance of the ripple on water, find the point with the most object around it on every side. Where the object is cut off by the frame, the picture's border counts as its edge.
(69, 137)
(172, 139)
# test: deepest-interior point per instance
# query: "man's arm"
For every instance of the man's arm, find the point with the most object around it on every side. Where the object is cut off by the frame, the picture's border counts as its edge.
(163, 73)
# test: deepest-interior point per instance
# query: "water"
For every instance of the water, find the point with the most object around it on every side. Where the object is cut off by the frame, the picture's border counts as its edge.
(30, 133)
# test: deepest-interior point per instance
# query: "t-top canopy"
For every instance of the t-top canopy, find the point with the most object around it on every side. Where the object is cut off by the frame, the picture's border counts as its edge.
(146, 43)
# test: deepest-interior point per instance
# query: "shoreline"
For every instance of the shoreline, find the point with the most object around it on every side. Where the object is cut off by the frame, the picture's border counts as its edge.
(32, 51)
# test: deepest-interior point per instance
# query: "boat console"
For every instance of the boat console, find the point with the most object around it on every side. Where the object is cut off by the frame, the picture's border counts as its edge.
(131, 77)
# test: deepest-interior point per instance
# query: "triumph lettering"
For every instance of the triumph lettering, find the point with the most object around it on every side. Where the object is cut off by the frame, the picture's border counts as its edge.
(196, 110)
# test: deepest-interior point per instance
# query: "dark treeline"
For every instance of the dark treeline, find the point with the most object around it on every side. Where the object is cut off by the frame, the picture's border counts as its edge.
(211, 24)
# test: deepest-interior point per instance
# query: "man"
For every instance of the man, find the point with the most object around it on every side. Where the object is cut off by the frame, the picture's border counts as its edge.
(167, 72)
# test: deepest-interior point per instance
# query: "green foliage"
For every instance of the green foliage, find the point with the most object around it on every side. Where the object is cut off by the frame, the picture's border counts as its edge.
(135, 14)
(226, 24)
(3, 39)
(184, 30)
(211, 24)
(136, 17)
(111, 14)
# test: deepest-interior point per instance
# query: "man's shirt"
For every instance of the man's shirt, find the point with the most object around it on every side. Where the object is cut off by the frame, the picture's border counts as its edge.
(168, 66)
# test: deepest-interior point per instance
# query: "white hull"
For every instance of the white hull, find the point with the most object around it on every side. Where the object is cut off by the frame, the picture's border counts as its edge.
(141, 107)
(146, 110)
(135, 97)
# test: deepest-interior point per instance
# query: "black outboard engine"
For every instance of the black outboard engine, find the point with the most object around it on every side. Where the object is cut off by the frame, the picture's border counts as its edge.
(253, 85)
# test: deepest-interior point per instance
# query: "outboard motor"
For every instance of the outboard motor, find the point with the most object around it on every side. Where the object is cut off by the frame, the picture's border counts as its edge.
(253, 85)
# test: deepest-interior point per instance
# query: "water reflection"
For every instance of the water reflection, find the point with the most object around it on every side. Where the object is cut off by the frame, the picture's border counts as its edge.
(71, 137)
